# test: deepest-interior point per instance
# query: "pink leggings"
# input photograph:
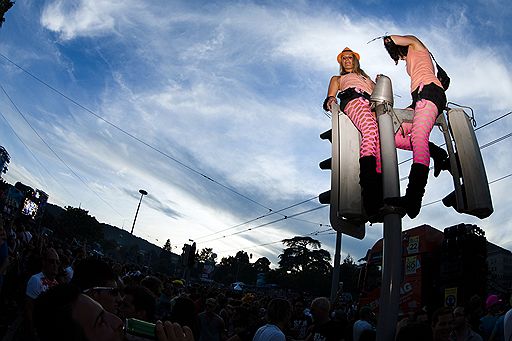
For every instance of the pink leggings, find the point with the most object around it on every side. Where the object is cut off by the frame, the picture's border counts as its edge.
(415, 135)
(359, 112)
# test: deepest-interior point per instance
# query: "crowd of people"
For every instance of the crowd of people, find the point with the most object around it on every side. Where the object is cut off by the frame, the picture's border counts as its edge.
(51, 290)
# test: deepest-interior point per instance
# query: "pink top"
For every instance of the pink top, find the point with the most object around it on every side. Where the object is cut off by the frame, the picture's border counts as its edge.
(353, 80)
(420, 68)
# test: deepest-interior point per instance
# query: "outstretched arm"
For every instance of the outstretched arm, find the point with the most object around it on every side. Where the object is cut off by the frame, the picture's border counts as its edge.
(408, 41)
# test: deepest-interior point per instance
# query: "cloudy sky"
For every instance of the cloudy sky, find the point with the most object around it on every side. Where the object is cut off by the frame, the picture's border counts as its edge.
(214, 108)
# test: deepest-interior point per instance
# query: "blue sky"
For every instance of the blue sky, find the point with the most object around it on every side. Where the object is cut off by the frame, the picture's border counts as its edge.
(231, 91)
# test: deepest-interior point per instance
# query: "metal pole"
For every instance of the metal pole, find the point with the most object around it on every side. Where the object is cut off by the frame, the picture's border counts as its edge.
(137, 212)
(336, 269)
(392, 243)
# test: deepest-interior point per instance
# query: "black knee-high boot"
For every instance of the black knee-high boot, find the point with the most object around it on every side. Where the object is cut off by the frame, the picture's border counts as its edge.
(440, 157)
(411, 202)
(371, 186)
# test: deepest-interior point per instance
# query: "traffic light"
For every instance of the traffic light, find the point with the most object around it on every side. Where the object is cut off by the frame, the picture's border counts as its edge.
(346, 213)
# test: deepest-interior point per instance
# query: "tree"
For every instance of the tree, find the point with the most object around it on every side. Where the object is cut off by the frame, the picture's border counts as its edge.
(77, 223)
(262, 265)
(5, 5)
(206, 255)
(298, 256)
(305, 265)
(167, 246)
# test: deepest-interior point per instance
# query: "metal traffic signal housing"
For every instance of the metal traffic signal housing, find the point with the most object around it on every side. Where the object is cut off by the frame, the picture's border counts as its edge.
(346, 211)
(471, 193)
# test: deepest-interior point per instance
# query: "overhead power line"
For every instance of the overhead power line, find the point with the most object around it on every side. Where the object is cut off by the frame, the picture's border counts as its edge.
(33, 155)
(56, 154)
(135, 137)
(257, 218)
(327, 231)
(266, 224)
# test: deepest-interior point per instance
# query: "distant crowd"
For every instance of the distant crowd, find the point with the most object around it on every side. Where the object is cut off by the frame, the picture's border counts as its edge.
(53, 289)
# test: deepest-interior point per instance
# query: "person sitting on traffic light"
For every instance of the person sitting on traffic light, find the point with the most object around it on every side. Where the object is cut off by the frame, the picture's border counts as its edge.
(353, 87)
(429, 100)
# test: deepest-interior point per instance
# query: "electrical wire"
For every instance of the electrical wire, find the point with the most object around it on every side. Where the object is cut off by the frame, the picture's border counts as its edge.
(327, 230)
(33, 155)
(266, 224)
(134, 137)
(55, 153)
(257, 218)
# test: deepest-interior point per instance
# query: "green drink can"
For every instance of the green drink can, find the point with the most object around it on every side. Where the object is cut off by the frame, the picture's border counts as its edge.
(140, 328)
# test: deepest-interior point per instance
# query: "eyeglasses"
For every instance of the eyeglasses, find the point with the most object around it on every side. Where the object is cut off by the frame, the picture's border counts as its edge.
(113, 291)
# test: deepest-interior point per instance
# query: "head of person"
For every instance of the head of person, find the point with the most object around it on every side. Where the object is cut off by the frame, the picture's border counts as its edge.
(50, 263)
(320, 309)
(97, 279)
(396, 52)
(210, 305)
(366, 314)
(279, 311)
(138, 302)
(349, 61)
(417, 331)
(154, 284)
(493, 304)
(442, 323)
(459, 318)
(298, 309)
(64, 313)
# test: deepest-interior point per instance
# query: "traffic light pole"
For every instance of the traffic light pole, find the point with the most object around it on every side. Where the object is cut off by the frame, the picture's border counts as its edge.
(336, 269)
(392, 235)
(392, 247)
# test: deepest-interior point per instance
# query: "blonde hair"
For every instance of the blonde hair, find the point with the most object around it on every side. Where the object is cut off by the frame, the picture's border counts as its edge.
(356, 69)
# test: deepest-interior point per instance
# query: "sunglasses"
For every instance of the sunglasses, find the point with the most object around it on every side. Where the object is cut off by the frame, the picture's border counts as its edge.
(112, 291)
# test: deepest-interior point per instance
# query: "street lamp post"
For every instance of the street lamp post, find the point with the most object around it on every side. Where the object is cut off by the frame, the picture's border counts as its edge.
(142, 193)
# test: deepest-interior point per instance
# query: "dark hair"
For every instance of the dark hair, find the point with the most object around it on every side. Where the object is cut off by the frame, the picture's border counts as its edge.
(92, 272)
(143, 299)
(395, 51)
(278, 310)
(53, 314)
(154, 284)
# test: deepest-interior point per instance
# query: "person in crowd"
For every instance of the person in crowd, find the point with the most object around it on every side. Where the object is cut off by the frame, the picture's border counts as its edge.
(417, 331)
(184, 313)
(429, 100)
(442, 323)
(323, 328)
(4, 253)
(164, 302)
(138, 302)
(365, 322)
(154, 284)
(41, 282)
(493, 306)
(507, 323)
(212, 326)
(96, 279)
(63, 313)
(354, 87)
(461, 329)
(279, 312)
(299, 323)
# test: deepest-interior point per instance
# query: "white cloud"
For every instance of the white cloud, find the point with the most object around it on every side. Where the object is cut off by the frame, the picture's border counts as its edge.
(234, 92)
